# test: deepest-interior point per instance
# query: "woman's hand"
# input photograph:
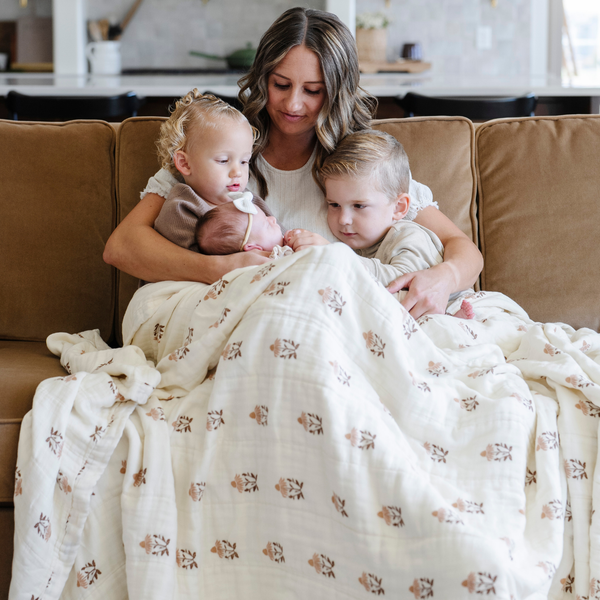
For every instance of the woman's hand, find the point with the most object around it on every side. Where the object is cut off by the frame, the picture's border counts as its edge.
(299, 239)
(428, 291)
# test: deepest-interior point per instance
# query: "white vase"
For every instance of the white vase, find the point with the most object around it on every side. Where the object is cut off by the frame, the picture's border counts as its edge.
(104, 57)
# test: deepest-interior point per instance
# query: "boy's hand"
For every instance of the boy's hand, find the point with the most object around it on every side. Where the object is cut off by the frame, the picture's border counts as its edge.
(299, 239)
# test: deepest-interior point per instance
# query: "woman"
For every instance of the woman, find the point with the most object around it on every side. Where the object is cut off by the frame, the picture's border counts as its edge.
(303, 96)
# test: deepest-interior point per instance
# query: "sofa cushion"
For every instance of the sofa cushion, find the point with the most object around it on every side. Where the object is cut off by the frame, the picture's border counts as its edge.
(539, 215)
(23, 365)
(441, 155)
(57, 211)
(136, 162)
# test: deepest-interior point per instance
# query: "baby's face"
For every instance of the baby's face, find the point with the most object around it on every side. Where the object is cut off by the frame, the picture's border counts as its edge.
(265, 232)
(218, 159)
(358, 214)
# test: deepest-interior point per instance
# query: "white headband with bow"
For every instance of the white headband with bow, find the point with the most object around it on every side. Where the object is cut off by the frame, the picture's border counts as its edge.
(243, 202)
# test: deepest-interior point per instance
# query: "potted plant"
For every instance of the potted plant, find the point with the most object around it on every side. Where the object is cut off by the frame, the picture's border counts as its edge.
(371, 37)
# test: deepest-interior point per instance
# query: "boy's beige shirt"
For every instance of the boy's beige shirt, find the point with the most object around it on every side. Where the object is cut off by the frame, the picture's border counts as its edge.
(407, 247)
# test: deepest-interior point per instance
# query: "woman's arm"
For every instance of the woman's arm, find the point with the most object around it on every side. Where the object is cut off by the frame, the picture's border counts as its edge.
(429, 290)
(136, 248)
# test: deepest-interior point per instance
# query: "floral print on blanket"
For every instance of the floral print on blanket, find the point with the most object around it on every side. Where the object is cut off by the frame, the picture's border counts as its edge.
(216, 289)
(364, 440)
(333, 300)
(374, 343)
(18, 482)
(274, 551)
(422, 588)
(395, 476)
(225, 549)
(157, 545)
(232, 351)
(186, 559)
(322, 564)
(88, 575)
(196, 491)
(340, 505)
(392, 516)
(480, 583)
(214, 420)
(260, 414)
(284, 348)
(312, 423)
(290, 488)
(246, 482)
(55, 442)
(371, 583)
(341, 374)
(43, 527)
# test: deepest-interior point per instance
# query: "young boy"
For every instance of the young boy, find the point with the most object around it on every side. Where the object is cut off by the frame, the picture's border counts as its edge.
(366, 183)
(207, 143)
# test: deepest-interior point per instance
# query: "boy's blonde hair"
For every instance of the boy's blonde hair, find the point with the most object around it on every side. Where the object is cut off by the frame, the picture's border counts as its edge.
(192, 111)
(370, 153)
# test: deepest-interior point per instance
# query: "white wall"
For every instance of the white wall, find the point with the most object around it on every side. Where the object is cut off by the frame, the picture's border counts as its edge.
(163, 32)
(447, 30)
(11, 10)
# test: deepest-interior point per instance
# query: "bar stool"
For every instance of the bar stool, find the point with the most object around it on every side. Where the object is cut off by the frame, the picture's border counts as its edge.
(476, 109)
(66, 108)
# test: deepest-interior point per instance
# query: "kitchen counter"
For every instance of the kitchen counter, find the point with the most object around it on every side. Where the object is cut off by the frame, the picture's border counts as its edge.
(381, 85)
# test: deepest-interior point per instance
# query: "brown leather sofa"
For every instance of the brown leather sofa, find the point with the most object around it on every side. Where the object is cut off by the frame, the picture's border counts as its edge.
(526, 190)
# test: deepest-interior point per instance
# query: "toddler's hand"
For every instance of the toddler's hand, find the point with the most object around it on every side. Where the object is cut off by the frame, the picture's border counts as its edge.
(299, 239)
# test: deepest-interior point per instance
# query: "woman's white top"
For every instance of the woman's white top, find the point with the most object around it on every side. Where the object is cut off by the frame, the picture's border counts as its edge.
(294, 197)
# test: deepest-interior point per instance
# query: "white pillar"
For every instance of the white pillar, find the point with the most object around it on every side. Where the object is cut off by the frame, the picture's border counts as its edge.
(345, 10)
(540, 19)
(69, 37)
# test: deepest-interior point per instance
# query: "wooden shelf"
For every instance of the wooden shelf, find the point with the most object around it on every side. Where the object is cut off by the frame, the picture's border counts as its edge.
(33, 67)
(400, 66)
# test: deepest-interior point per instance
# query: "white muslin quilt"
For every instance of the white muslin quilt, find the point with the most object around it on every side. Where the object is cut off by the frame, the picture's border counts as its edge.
(292, 432)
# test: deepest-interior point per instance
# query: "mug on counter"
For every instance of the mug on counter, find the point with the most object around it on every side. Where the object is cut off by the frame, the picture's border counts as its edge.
(104, 57)
(412, 51)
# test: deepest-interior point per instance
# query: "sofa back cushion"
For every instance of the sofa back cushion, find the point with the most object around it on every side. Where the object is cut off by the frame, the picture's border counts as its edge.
(441, 155)
(136, 162)
(57, 209)
(539, 215)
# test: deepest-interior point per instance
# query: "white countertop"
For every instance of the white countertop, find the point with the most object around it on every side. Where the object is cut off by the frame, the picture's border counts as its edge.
(381, 85)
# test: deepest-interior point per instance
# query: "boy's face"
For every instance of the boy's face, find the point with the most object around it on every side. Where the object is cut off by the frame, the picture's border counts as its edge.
(358, 214)
(265, 234)
(216, 159)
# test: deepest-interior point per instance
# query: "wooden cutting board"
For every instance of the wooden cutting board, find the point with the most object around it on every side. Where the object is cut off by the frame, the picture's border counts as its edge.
(400, 66)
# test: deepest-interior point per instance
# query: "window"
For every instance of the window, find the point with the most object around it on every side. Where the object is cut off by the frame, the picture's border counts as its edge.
(581, 42)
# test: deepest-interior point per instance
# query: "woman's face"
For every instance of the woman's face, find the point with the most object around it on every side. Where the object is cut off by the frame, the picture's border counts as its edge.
(296, 92)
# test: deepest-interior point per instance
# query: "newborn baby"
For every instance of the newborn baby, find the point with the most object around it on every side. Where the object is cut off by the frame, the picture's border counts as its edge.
(239, 226)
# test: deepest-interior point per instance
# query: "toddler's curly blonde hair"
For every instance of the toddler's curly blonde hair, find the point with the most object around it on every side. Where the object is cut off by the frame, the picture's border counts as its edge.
(191, 111)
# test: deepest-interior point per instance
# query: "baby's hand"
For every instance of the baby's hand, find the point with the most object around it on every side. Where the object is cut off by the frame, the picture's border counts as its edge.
(299, 239)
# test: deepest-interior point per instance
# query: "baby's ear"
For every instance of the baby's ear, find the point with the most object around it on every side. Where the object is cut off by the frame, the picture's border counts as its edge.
(249, 247)
(402, 205)
(181, 163)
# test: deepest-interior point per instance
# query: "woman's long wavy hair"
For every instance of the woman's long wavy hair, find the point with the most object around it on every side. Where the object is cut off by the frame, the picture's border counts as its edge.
(347, 107)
